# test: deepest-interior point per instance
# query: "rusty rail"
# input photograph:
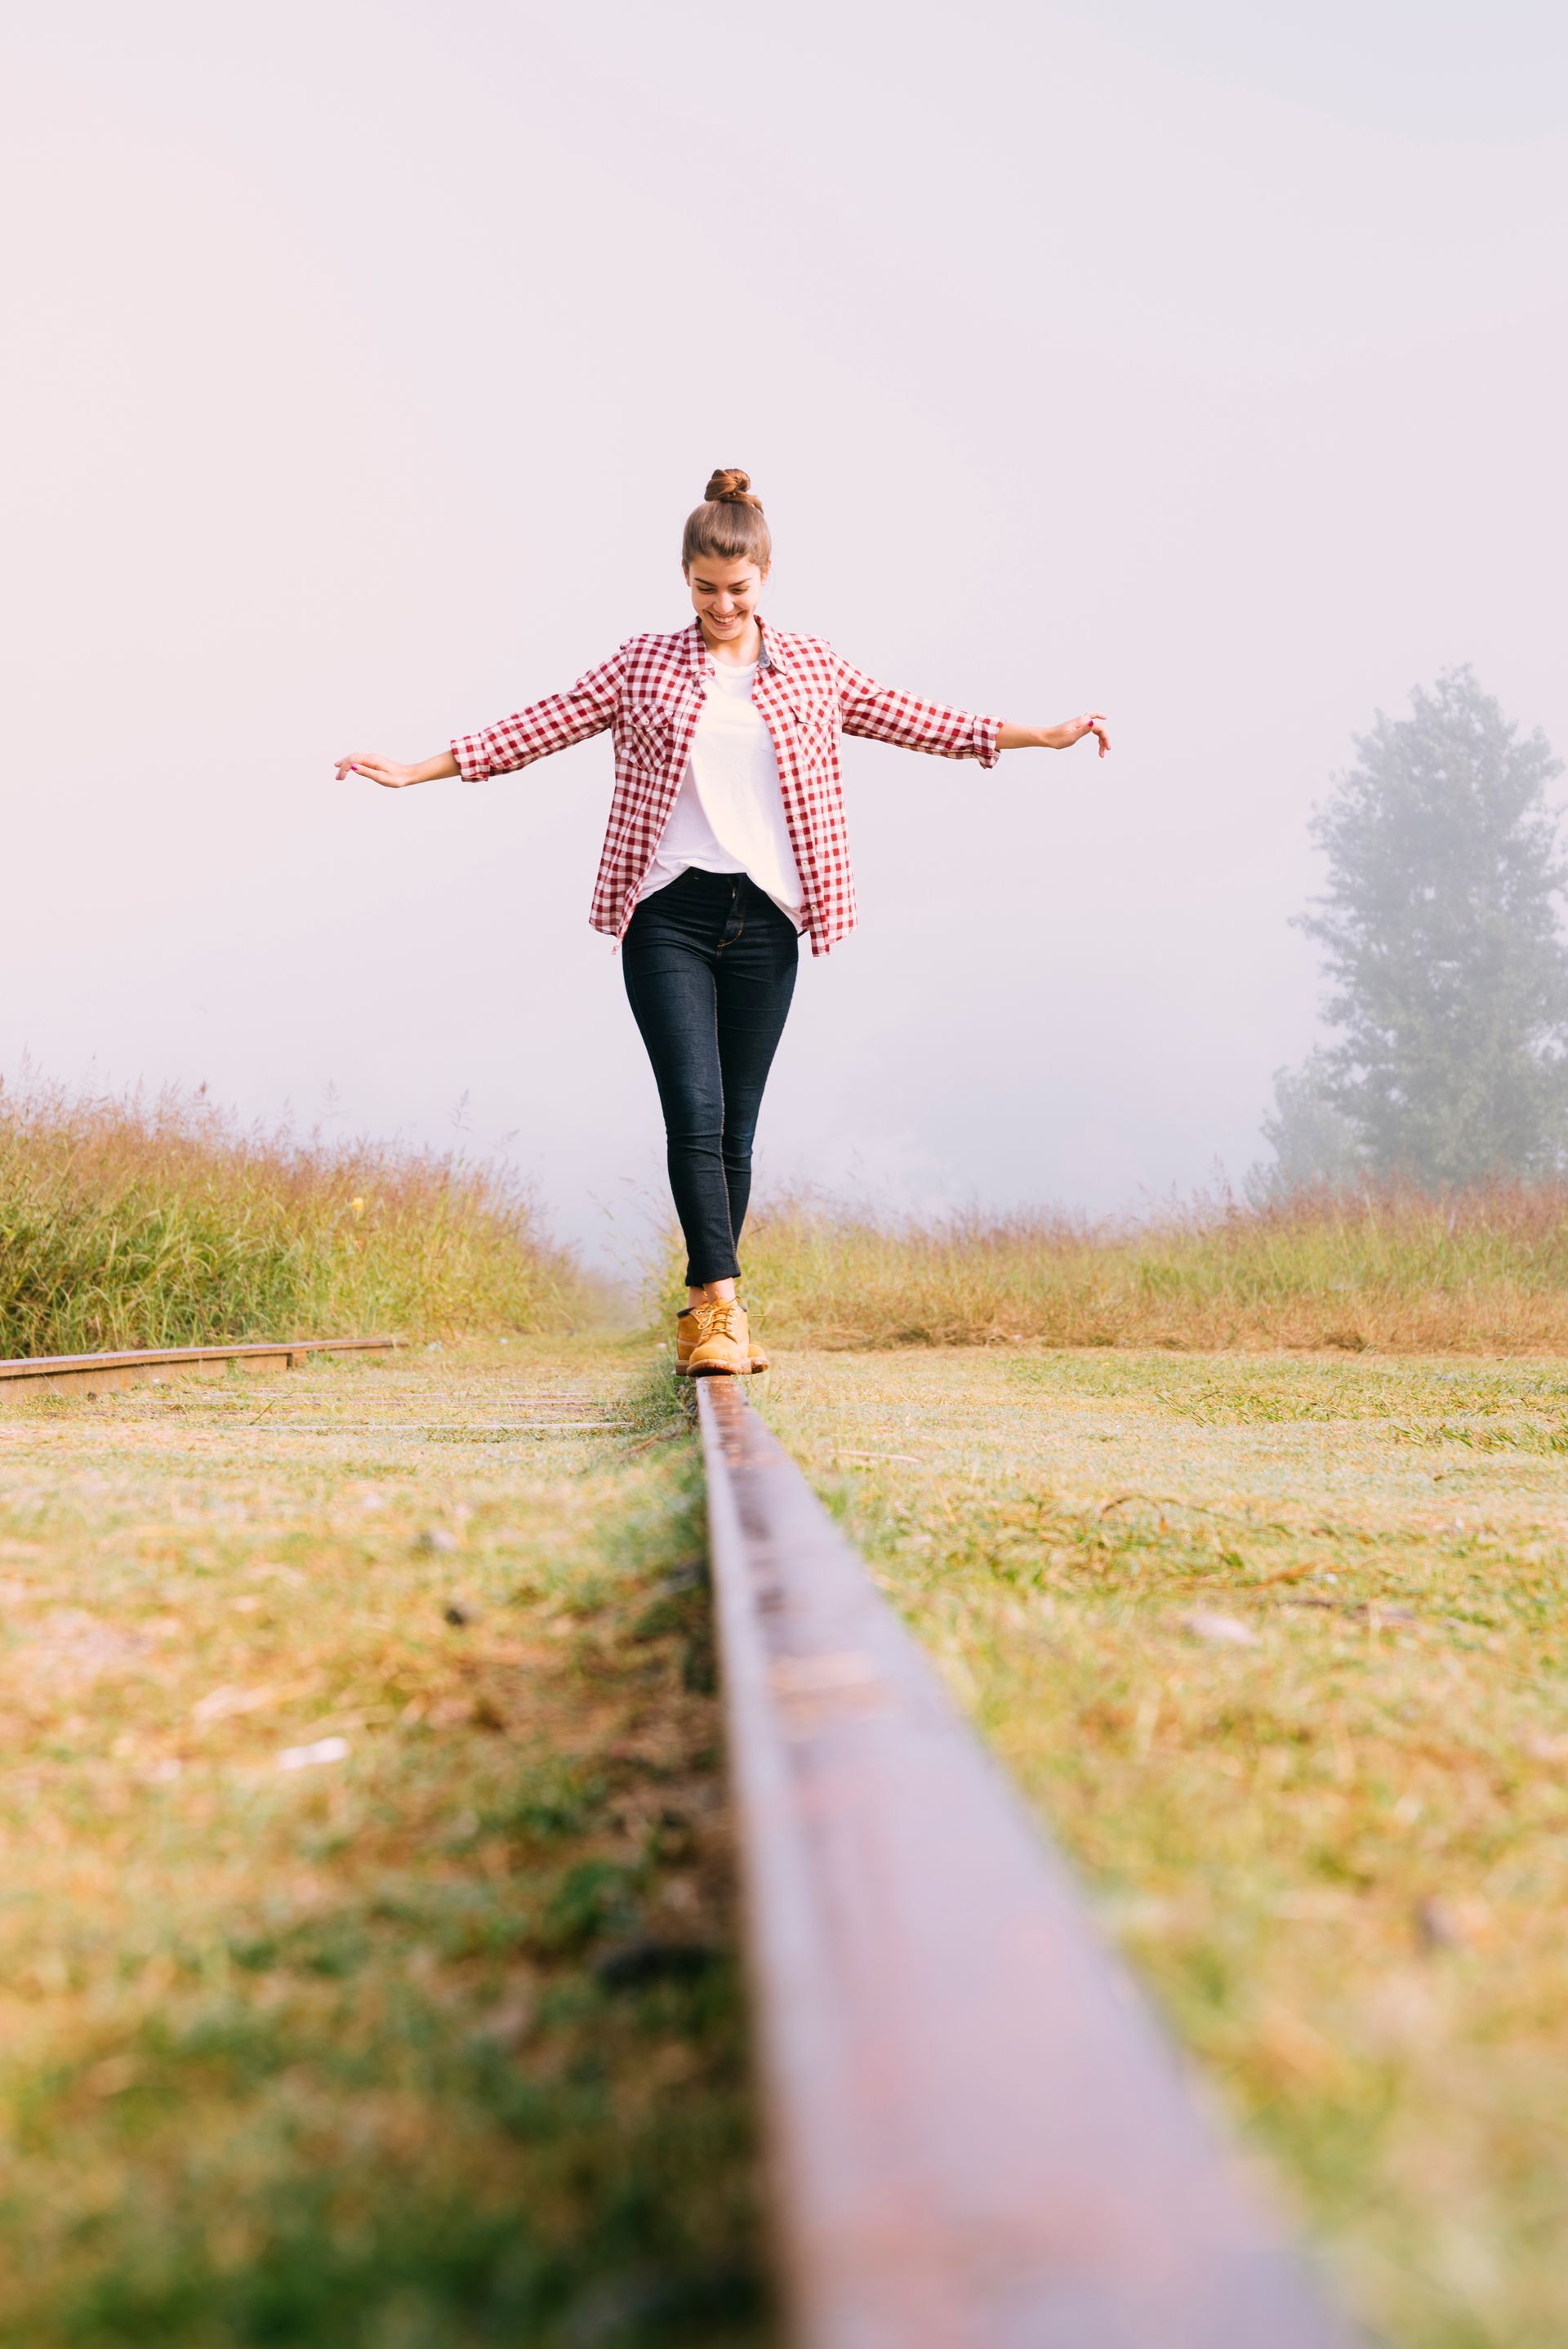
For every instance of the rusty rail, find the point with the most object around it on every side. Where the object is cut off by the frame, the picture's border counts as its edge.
(100, 1373)
(979, 2138)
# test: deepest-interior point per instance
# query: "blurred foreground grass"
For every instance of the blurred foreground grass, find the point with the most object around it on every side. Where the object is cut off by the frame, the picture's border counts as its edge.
(366, 1960)
(1485, 1271)
(134, 1222)
(1278, 1648)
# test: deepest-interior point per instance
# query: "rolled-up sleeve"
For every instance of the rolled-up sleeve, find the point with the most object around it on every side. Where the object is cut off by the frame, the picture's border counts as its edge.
(584, 710)
(885, 713)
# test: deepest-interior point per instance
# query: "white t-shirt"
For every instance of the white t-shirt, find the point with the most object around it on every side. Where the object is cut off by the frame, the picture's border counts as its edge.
(728, 814)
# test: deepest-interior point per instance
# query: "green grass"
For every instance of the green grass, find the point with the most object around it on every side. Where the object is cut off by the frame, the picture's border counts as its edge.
(1481, 1272)
(1277, 1646)
(434, 2042)
(128, 1222)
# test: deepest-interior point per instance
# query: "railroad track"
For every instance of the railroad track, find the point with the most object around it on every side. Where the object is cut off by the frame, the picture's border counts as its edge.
(30, 1376)
(101, 1373)
(979, 2138)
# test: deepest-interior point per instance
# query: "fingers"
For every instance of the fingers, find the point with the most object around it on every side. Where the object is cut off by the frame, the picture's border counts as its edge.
(374, 770)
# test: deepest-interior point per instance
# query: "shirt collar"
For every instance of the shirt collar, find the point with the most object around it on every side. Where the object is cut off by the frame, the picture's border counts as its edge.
(701, 659)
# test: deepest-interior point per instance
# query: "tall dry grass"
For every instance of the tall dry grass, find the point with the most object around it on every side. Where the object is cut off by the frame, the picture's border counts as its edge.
(134, 1221)
(1482, 1271)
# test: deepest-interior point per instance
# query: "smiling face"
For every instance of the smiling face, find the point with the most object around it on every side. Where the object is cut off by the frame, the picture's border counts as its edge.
(725, 596)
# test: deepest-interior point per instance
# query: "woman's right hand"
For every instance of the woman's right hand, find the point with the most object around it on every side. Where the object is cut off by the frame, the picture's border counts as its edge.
(385, 772)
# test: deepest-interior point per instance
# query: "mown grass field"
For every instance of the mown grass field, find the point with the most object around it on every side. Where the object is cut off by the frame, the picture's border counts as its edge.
(367, 1964)
(1277, 1648)
(367, 1974)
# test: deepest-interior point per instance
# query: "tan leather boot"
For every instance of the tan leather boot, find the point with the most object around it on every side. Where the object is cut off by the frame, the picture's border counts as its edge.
(720, 1346)
(685, 1338)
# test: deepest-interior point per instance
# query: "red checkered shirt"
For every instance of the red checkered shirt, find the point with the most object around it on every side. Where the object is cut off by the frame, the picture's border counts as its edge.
(652, 693)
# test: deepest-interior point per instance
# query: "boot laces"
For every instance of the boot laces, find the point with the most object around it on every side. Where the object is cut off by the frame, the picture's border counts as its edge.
(717, 1318)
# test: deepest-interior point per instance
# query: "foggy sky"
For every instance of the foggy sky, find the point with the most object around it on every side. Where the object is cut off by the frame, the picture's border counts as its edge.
(1200, 362)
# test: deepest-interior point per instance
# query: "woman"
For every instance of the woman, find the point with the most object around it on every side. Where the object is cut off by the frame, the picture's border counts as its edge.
(725, 841)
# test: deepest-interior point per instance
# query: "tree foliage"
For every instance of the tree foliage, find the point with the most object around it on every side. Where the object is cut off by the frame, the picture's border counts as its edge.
(1314, 1143)
(1448, 980)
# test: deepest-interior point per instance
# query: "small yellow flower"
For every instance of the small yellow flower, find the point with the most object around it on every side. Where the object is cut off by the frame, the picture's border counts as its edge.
(357, 1206)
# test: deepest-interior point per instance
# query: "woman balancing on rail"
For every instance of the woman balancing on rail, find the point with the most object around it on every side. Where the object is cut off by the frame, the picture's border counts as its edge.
(726, 841)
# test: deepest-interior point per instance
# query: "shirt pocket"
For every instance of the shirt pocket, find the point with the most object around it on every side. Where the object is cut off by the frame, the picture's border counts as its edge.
(815, 719)
(647, 733)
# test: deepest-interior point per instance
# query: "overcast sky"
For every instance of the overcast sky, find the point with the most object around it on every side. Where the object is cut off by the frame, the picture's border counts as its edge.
(1202, 362)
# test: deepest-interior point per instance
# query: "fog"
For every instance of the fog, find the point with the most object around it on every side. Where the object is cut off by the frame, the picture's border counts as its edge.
(1203, 364)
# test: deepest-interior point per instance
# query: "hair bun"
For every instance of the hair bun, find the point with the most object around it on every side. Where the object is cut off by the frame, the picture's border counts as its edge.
(730, 487)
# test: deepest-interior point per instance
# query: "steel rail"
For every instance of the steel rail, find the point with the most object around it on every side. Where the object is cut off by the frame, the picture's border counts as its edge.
(101, 1373)
(979, 2138)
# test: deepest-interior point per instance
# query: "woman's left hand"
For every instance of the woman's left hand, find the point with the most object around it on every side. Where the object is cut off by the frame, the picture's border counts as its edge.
(1055, 738)
(1073, 729)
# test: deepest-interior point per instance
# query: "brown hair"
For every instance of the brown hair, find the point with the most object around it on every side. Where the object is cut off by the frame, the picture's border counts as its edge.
(728, 525)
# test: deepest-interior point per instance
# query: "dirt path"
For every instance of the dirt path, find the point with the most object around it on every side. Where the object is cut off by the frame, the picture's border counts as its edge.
(366, 1972)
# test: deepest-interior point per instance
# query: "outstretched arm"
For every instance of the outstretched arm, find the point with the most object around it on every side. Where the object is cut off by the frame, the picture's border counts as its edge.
(391, 776)
(585, 708)
(888, 715)
(1055, 738)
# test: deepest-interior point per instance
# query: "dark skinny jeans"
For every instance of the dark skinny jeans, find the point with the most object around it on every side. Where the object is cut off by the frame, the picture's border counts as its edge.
(710, 967)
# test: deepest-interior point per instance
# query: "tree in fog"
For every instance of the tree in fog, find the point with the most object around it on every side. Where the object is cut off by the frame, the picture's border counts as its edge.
(1448, 979)
(1313, 1140)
